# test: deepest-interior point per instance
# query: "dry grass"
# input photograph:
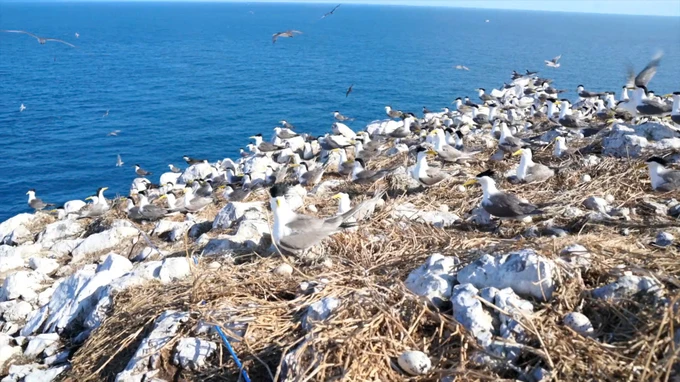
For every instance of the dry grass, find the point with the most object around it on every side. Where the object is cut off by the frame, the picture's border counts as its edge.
(378, 318)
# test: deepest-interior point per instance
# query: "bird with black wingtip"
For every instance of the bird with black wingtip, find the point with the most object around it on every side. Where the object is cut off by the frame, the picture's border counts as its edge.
(663, 178)
(500, 204)
(36, 203)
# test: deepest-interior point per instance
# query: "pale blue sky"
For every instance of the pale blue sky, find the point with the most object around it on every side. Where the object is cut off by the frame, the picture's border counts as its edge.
(627, 7)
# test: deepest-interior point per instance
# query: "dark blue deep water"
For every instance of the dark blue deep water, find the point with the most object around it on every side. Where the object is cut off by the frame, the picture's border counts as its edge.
(198, 79)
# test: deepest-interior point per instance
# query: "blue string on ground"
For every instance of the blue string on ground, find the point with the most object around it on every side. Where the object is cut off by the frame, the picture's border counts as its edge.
(233, 353)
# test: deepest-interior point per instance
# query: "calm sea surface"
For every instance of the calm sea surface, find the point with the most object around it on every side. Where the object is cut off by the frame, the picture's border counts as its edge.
(198, 79)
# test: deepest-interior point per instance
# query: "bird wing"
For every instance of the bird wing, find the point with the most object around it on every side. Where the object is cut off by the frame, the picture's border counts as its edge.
(539, 173)
(349, 90)
(152, 211)
(672, 179)
(24, 32)
(294, 31)
(303, 240)
(433, 177)
(554, 60)
(368, 176)
(646, 75)
(505, 205)
(275, 36)
(305, 223)
(630, 77)
(61, 41)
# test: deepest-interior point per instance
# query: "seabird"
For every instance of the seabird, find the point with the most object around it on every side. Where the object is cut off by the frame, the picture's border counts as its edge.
(35, 203)
(307, 177)
(149, 212)
(41, 40)
(133, 212)
(294, 233)
(569, 120)
(529, 171)
(663, 179)
(507, 142)
(204, 190)
(236, 195)
(423, 173)
(22, 108)
(345, 165)
(462, 67)
(393, 113)
(554, 62)
(141, 172)
(98, 207)
(195, 203)
(341, 118)
(289, 33)
(362, 176)
(586, 94)
(106, 114)
(501, 204)
(284, 133)
(265, 146)
(342, 129)
(77, 34)
(675, 112)
(119, 161)
(349, 90)
(528, 73)
(365, 212)
(331, 12)
(646, 75)
(483, 96)
(287, 125)
(649, 106)
(192, 161)
(449, 153)
(113, 133)
(174, 169)
(561, 148)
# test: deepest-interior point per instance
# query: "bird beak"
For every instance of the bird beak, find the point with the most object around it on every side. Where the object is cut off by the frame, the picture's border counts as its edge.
(352, 141)
(294, 165)
(516, 153)
(104, 188)
(431, 152)
(278, 202)
(162, 197)
(557, 103)
(336, 196)
(610, 121)
(88, 198)
(470, 182)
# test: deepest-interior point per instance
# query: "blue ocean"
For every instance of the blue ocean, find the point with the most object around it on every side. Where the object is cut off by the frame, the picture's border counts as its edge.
(198, 79)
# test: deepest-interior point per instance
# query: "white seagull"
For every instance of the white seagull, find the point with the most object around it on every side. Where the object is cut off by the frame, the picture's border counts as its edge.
(22, 108)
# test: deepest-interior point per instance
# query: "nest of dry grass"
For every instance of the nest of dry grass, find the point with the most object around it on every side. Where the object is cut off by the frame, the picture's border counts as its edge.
(378, 318)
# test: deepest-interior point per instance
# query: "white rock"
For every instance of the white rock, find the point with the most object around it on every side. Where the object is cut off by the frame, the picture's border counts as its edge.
(60, 230)
(664, 239)
(169, 177)
(319, 311)
(434, 279)
(633, 140)
(214, 266)
(284, 270)
(146, 252)
(295, 196)
(609, 198)
(8, 352)
(579, 323)
(510, 328)
(59, 358)
(64, 248)
(9, 328)
(595, 203)
(115, 263)
(103, 241)
(45, 296)
(146, 357)
(9, 259)
(438, 219)
(414, 362)
(38, 343)
(140, 274)
(13, 223)
(586, 178)
(191, 353)
(18, 312)
(627, 286)
(21, 284)
(19, 235)
(43, 265)
(197, 171)
(175, 268)
(47, 375)
(232, 212)
(469, 312)
(527, 273)
(5, 339)
(312, 208)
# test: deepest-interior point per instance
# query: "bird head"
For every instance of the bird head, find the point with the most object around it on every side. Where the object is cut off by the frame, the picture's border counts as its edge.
(31, 192)
(519, 152)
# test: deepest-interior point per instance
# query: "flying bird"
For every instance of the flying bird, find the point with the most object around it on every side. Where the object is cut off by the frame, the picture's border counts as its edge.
(349, 90)
(22, 108)
(288, 33)
(77, 34)
(41, 40)
(106, 114)
(113, 133)
(462, 67)
(331, 12)
(119, 161)
(554, 62)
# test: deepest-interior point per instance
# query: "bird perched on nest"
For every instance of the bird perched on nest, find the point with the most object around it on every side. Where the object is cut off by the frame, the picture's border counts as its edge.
(503, 205)
(663, 179)
(423, 173)
(295, 233)
(36, 203)
(530, 172)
